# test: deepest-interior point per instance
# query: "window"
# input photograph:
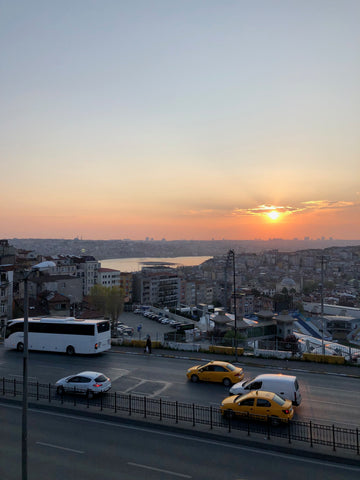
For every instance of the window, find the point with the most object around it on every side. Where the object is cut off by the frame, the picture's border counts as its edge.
(55, 328)
(84, 379)
(255, 386)
(13, 328)
(278, 400)
(209, 368)
(219, 368)
(230, 367)
(248, 402)
(103, 327)
(262, 402)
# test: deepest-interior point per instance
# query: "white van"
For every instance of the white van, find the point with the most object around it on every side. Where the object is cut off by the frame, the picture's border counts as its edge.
(286, 386)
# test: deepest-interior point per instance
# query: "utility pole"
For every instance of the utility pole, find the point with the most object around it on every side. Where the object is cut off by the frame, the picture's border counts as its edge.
(322, 304)
(231, 253)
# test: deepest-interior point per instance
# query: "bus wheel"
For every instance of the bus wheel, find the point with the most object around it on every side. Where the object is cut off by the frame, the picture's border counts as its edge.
(20, 347)
(70, 350)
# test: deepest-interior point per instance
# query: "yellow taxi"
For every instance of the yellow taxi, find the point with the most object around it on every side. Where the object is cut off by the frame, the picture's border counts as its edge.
(259, 405)
(222, 372)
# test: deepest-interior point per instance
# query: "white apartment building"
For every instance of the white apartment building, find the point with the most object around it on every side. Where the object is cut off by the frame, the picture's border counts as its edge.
(87, 268)
(108, 277)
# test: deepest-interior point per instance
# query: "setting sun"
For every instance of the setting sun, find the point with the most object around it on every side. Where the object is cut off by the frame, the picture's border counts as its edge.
(274, 215)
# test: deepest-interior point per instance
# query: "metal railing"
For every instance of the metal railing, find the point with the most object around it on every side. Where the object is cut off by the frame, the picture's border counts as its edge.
(312, 433)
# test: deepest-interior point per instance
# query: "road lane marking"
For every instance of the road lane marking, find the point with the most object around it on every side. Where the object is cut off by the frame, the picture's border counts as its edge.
(169, 472)
(259, 451)
(43, 444)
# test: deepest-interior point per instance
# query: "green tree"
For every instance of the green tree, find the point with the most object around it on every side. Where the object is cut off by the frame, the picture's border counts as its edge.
(309, 287)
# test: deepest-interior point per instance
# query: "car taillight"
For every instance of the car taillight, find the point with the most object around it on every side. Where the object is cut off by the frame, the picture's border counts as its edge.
(286, 412)
(97, 385)
(96, 346)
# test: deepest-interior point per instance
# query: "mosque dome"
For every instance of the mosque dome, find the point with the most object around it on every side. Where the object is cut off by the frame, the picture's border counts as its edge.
(288, 283)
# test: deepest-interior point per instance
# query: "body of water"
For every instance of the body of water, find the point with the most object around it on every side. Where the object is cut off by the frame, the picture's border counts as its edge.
(136, 264)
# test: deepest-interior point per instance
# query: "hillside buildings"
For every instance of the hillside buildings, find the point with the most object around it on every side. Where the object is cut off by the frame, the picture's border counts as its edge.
(259, 279)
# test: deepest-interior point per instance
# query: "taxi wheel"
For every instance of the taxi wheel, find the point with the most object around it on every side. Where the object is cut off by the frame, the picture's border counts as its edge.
(194, 378)
(275, 421)
(228, 414)
(227, 382)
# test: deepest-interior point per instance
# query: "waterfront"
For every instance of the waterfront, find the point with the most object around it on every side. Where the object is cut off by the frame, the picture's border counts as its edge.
(136, 264)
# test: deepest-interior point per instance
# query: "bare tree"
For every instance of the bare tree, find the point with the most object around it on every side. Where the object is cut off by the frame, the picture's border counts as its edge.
(109, 301)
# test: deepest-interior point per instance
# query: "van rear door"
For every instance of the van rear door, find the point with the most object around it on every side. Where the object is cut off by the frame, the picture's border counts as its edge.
(297, 394)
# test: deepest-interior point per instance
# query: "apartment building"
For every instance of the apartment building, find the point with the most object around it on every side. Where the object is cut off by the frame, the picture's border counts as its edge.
(87, 269)
(6, 293)
(108, 277)
(126, 284)
(158, 286)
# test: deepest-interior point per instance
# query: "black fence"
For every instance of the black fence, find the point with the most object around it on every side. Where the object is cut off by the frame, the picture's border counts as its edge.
(141, 406)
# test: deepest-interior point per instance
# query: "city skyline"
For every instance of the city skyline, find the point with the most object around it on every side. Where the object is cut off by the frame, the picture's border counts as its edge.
(180, 120)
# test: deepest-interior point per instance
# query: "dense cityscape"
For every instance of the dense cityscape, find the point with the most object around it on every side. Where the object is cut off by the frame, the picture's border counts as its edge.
(310, 281)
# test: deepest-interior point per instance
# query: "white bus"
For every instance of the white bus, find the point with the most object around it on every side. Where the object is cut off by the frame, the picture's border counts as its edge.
(65, 334)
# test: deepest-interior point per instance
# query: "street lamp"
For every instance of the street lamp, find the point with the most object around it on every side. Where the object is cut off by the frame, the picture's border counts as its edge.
(35, 268)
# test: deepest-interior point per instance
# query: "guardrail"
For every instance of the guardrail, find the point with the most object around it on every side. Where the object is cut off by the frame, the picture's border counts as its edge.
(158, 409)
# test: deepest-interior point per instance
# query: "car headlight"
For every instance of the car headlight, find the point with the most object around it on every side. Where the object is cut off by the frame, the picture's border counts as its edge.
(189, 370)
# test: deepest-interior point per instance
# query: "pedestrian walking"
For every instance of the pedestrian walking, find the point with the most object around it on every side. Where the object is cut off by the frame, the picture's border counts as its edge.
(148, 344)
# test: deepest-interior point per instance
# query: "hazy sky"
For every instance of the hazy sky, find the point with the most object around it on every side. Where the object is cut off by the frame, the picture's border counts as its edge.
(187, 119)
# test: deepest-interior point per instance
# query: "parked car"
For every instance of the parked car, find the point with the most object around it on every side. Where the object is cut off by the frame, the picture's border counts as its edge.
(286, 386)
(216, 371)
(258, 405)
(86, 383)
(125, 330)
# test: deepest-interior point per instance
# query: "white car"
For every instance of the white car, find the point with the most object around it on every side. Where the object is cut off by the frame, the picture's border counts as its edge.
(125, 330)
(86, 383)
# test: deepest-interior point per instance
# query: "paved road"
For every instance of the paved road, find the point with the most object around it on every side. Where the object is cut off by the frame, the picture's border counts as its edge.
(63, 446)
(326, 398)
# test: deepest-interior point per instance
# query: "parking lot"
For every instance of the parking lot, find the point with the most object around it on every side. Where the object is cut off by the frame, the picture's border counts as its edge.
(148, 327)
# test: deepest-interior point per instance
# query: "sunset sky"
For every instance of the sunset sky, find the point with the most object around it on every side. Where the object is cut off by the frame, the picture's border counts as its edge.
(180, 119)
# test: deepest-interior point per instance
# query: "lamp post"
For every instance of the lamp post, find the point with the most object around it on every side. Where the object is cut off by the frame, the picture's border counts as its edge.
(24, 450)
